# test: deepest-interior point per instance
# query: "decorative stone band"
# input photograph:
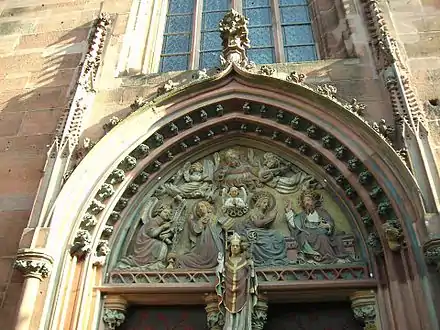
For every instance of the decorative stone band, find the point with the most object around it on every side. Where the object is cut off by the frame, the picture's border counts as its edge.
(114, 311)
(363, 304)
(33, 263)
(432, 252)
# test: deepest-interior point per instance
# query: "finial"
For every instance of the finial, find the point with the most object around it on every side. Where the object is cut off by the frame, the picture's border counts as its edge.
(234, 33)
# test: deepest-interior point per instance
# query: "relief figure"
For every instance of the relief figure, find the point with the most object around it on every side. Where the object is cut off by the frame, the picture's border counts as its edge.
(314, 230)
(237, 286)
(280, 175)
(150, 248)
(268, 246)
(236, 172)
(205, 239)
(235, 205)
(193, 181)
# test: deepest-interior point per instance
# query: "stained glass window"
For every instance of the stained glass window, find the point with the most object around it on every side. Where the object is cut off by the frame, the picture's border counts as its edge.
(177, 38)
(278, 30)
(259, 14)
(296, 26)
(210, 44)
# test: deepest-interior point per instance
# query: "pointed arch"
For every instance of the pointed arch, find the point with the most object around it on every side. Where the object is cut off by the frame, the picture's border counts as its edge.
(312, 124)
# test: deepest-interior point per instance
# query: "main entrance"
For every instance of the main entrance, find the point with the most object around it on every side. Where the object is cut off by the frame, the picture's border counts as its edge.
(246, 195)
(298, 316)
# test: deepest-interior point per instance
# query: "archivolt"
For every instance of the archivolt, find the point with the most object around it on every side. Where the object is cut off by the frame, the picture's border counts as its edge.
(356, 161)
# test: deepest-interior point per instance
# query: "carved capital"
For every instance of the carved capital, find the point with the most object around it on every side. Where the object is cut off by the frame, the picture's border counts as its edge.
(393, 234)
(214, 317)
(115, 308)
(259, 314)
(431, 251)
(363, 304)
(33, 263)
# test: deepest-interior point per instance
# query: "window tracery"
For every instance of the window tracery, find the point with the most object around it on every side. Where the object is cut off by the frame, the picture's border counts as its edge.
(184, 35)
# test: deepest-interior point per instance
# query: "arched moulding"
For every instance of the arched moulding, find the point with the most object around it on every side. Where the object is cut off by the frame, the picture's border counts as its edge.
(223, 111)
(262, 121)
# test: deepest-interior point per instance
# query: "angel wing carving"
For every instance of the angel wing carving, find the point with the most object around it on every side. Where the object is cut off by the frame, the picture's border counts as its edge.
(147, 210)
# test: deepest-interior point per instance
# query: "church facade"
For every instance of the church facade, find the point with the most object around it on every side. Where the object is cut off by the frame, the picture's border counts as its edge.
(233, 164)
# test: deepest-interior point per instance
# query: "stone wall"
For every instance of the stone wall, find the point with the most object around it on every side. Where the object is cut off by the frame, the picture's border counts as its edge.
(42, 44)
(416, 26)
(41, 47)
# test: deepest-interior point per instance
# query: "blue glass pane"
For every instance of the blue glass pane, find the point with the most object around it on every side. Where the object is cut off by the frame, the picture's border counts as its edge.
(209, 59)
(262, 55)
(295, 14)
(181, 6)
(211, 41)
(297, 35)
(261, 36)
(260, 16)
(174, 63)
(293, 2)
(255, 3)
(211, 21)
(176, 44)
(215, 5)
(300, 53)
(179, 24)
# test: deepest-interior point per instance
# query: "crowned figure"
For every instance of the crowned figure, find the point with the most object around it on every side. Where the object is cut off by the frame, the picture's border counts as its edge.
(237, 286)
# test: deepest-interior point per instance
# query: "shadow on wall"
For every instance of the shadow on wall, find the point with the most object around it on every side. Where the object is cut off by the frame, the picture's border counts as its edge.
(51, 74)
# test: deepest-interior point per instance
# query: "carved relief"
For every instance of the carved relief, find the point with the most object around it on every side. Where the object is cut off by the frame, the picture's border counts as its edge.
(186, 223)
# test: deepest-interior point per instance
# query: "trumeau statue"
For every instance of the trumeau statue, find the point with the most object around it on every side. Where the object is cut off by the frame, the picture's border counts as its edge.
(237, 286)
(245, 191)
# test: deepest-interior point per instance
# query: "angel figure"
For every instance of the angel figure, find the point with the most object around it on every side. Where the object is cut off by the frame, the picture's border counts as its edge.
(152, 242)
(285, 178)
(193, 181)
(234, 205)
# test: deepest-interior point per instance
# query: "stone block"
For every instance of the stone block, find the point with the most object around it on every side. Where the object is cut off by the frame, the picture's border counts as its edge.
(68, 21)
(409, 6)
(12, 83)
(26, 62)
(26, 146)
(120, 24)
(16, 27)
(52, 78)
(15, 203)
(59, 62)
(362, 90)
(36, 99)
(10, 123)
(6, 264)
(40, 122)
(42, 40)
(8, 44)
(422, 44)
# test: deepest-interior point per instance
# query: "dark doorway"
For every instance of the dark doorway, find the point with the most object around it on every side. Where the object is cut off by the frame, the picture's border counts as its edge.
(311, 316)
(165, 318)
